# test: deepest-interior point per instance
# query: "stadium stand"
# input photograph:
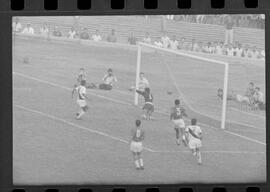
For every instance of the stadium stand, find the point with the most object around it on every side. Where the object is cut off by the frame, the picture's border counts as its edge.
(139, 25)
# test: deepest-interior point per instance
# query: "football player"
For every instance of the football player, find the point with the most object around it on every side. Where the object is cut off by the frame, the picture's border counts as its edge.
(194, 137)
(177, 114)
(136, 147)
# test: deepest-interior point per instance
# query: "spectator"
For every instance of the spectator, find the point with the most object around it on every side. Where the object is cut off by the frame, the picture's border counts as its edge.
(57, 32)
(219, 48)
(174, 43)
(84, 34)
(44, 30)
(147, 38)
(254, 53)
(72, 33)
(230, 50)
(28, 29)
(262, 54)
(165, 40)
(132, 39)
(158, 43)
(16, 25)
(200, 47)
(229, 30)
(183, 45)
(239, 50)
(96, 36)
(247, 52)
(111, 37)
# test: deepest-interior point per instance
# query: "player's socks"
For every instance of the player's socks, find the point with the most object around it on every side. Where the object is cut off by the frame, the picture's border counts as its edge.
(137, 164)
(178, 141)
(199, 157)
(81, 114)
(141, 162)
(184, 140)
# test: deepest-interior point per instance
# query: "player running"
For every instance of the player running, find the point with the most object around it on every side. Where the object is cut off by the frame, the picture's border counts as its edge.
(148, 106)
(137, 136)
(81, 90)
(194, 137)
(177, 114)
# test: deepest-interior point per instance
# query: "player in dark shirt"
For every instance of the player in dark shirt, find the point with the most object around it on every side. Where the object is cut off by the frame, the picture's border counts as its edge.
(177, 114)
(137, 137)
(148, 106)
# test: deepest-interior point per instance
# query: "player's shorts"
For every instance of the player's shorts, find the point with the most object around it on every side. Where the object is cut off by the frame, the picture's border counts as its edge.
(195, 143)
(136, 147)
(81, 103)
(180, 123)
(148, 107)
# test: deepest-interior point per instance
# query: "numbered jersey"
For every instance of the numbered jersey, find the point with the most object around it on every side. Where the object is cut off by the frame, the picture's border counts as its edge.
(81, 90)
(137, 135)
(177, 112)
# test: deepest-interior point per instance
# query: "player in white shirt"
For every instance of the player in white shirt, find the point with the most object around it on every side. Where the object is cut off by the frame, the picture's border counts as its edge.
(194, 138)
(143, 82)
(96, 36)
(28, 29)
(81, 99)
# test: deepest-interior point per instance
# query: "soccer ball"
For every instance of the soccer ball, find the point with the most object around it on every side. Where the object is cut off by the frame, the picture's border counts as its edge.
(26, 60)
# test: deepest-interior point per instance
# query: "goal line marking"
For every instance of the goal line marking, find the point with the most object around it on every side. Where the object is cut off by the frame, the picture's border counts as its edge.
(125, 103)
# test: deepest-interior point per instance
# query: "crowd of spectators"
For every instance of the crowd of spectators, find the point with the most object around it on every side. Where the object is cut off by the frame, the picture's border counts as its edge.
(228, 47)
(239, 20)
(235, 49)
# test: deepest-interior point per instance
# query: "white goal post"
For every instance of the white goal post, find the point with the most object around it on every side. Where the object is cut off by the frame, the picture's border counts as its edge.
(177, 52)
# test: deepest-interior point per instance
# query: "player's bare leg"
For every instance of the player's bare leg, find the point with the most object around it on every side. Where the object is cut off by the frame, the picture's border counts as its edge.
(140, 161)
(199, 156)
(136, 160)
(177, 135)
(81, 113)
(182, 133)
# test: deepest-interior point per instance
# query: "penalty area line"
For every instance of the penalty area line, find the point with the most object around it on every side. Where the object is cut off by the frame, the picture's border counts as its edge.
(125, 103)
(77, 126)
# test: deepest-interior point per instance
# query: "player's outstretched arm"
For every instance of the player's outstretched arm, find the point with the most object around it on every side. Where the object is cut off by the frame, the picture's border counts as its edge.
(139, 92)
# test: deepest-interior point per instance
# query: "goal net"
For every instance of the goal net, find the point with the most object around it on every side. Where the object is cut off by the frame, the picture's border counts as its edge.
(196, 79)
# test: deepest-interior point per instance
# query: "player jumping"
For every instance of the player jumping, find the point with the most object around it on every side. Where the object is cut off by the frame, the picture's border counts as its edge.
(194, 137)
(177, 114)
(137, 136)
(148, 106)
(81, 90)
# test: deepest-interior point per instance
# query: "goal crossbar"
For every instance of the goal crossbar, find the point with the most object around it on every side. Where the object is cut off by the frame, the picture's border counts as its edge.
(177, 52)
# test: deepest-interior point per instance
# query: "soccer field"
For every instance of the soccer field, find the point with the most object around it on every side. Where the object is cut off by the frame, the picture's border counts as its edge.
(51, 147)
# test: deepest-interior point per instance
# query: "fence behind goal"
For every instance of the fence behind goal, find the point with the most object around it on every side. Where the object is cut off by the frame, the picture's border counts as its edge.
(196, 80)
